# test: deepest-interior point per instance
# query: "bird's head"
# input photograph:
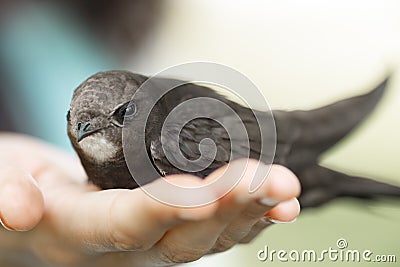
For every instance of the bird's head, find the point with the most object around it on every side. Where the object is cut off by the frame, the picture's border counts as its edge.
(96, 116)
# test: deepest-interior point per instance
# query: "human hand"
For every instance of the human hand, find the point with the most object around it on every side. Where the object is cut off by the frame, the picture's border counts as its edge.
(73, 223)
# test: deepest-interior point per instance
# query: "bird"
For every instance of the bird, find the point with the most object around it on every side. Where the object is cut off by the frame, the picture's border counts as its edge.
(102, 104)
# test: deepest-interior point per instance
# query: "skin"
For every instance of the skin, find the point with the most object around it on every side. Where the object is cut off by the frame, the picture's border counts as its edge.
(73, 223)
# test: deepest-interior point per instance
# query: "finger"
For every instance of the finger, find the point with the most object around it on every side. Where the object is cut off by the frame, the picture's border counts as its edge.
(125, 219)
(190, 241)
(152, 219)
(195, 239)
(280, 185)
(261, 225)
(36, 156)
(21, 201)
(285, 212)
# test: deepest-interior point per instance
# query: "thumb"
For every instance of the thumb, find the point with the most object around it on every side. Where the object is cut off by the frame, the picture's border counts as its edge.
(21, 201)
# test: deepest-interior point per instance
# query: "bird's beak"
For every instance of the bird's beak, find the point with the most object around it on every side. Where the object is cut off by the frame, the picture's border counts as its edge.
(84, 130)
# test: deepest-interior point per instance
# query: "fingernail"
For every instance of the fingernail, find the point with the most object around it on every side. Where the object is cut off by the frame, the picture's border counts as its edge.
(280, 222)
(266, 220)
(2, 222)
(269, 202)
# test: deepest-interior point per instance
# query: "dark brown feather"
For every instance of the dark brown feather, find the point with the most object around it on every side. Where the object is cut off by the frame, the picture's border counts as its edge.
(302, 136)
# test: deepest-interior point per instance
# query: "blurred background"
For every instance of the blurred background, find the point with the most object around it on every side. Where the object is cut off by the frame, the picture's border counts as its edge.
(301, 54)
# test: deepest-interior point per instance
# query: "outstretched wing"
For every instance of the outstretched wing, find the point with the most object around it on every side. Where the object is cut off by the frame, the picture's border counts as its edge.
(304, 135)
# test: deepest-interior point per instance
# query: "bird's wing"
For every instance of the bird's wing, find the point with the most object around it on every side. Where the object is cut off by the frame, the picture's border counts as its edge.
(302, 136)
(305, 135)
(321, 185)
(188, 146)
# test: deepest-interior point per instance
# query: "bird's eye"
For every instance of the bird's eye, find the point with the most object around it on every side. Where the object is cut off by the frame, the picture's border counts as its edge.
(126, 110)
(68, 115)
(130, 110)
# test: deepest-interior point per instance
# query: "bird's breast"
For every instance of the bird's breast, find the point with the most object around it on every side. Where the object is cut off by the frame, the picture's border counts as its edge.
(98, 148)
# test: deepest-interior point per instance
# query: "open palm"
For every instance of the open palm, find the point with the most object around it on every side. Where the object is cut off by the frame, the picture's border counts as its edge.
(71, 222)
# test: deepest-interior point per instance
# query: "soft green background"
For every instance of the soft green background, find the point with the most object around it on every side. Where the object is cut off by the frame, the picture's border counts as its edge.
(304, 54)
(301, 54)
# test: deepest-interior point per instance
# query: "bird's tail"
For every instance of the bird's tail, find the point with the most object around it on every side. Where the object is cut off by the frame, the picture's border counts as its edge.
(303, 136)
